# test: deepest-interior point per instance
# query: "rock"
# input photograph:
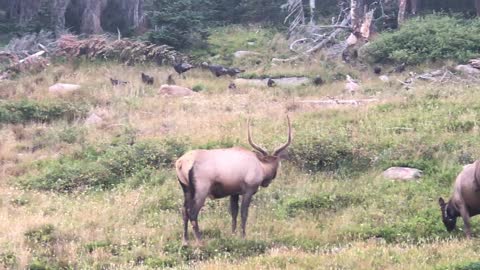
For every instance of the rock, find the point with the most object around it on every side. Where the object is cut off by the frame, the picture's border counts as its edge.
(93, 120)
(467, 69)
(292, 81)
(402, 173)
(384, 78)
(175, 90)
(242, 54)
(63, 88)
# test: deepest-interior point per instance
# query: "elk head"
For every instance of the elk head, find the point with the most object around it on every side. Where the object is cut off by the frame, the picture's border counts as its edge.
(270, 162)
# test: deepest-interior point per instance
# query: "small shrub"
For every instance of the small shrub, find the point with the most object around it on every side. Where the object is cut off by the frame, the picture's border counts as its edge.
(198, 88)
(20, 201)
(429, 38)
(8, 260)
(41, 235)
(161, 263)
(221, 248)
(330, 154)
(327, 201)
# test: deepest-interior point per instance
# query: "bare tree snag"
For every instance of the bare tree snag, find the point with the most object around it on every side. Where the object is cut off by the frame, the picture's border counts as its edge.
(402, 8)
(312, 12)
(414, 6)
(357, 12)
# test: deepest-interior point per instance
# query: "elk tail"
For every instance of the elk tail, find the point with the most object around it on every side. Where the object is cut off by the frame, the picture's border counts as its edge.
(191, 181)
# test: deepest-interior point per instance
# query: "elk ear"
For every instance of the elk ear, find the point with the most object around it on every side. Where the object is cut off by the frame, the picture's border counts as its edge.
(441, 202)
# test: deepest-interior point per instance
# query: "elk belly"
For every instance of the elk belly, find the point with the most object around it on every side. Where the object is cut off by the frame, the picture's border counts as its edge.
(219, 190)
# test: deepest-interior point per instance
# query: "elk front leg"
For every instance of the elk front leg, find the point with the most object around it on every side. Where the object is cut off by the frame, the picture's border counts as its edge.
(246, 199)
(234, 211)
(466, 221)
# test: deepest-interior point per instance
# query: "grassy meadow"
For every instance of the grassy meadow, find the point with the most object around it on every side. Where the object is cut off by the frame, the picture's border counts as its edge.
(77, 196)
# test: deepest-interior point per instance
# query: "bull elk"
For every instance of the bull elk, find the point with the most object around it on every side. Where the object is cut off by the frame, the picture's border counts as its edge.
(219, 173)
(465, 201)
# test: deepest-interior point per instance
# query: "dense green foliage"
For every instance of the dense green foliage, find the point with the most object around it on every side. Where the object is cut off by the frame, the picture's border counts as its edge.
(184, 23)
(430, 38)
(180, 24)
(29, 110)
(106, 167)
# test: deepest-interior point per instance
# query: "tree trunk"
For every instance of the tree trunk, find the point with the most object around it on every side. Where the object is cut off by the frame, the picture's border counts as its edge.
(357, 12)
(59, 8)
(23, 11)
(134, 12)
(92, 13)
(402, 6)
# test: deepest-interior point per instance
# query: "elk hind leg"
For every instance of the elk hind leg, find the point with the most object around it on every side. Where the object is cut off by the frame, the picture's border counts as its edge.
(185, 212)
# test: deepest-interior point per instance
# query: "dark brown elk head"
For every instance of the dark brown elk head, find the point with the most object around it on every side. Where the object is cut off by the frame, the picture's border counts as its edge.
(449, 214)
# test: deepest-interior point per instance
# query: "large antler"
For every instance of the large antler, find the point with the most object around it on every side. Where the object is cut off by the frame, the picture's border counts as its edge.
(250, 141)
(283, 147)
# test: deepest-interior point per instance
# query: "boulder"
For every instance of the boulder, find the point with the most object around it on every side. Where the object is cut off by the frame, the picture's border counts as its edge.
(467, 69)
(402, 173)
(93, 120)
(175, 90)
(242, 54)
(63, 88)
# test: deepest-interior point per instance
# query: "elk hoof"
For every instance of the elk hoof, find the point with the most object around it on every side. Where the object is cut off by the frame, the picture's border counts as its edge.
(199, 243)
(184, 243)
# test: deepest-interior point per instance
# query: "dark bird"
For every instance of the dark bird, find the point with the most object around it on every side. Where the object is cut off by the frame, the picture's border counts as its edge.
(234, 71)
(170, 80)
(116, 82)
(232, 86)
(377, 70)
(270, 82)
(217, 70)
(318, 80)
(182, 67)
(147, 79)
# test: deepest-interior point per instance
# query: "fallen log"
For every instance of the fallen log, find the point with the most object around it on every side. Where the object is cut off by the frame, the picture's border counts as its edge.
(339, 101)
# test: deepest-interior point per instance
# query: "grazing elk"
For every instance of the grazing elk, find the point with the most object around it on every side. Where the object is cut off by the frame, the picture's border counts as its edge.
(226, 172)
(465, 201)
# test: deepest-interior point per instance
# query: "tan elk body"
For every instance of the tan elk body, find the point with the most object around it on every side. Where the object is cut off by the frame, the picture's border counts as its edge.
(465, 201)
(225, 172)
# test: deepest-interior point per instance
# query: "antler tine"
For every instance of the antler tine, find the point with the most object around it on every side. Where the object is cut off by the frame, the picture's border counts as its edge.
(255, 146)
(289, 140)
